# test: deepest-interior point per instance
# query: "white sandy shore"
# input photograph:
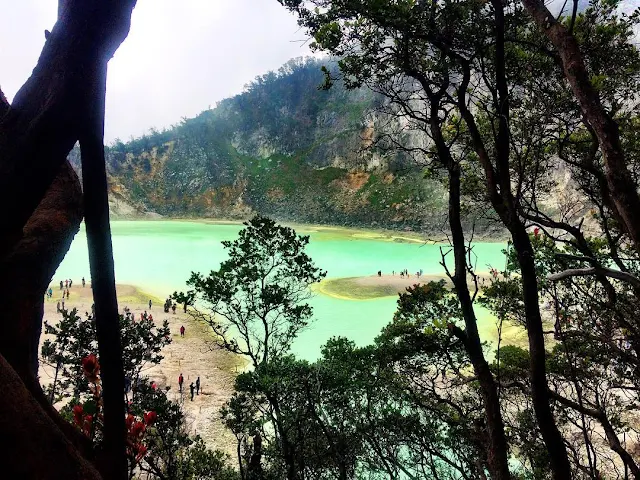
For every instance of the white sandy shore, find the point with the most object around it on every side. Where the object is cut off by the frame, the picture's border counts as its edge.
(193, 356)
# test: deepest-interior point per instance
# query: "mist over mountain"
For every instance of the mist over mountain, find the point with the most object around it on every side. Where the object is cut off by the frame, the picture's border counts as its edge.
(284, 148)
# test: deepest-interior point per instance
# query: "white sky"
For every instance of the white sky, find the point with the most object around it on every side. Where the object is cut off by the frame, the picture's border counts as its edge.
(180, 57)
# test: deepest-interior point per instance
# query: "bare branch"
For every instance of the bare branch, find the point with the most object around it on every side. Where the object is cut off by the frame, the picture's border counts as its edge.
(583, 272)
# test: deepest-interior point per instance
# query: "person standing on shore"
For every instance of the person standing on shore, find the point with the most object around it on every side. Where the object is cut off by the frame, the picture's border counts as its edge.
(193, 389)
(198, 386)
(149, 304)
(83, 282)
(180, 382)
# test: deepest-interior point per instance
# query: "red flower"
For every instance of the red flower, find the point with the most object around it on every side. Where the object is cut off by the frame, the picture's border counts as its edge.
(88, 421)
(137, 429)
(129, 421)
(141, 452)
(77, 414)
(150, 418)
(536, 231)
(90, 366)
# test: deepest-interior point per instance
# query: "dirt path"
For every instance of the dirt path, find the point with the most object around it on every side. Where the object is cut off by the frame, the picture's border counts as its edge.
(193, 356)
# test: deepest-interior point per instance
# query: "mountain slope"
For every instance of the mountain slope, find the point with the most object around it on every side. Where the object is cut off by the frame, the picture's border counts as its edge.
(282, 148)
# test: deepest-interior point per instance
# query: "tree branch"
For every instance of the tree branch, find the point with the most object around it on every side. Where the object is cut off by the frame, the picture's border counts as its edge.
(607, 272)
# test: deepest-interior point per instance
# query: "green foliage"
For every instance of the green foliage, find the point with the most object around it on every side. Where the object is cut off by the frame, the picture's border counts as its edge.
(366, 412)
(489, 65)
(256, 299)
(201, 463)
(75, 338)
(171, 453)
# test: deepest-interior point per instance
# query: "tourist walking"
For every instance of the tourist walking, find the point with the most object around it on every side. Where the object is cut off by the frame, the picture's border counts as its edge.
(193, 389)
(198, 386)
(182, 329)
(173, 307)
(180, 382)
(67, 294)
(149, 304)
(70, 283)
(58, 307)
(60, 284)
(83, 282)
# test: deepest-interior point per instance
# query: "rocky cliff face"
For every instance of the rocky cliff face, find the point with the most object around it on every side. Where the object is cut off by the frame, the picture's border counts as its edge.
(282, 148)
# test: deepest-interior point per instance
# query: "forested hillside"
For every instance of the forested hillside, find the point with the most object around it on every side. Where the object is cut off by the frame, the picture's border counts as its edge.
(284, 148)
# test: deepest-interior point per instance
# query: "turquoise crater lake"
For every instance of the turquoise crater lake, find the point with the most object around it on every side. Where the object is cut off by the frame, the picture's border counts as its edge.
(158, 257)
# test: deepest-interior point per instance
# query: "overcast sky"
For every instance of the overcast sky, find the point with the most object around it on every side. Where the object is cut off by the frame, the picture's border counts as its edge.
(180, 57)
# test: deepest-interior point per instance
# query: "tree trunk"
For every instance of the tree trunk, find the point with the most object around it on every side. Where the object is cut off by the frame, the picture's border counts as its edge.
(37, 131)
(35, 448)
(621, 185)
(498, 183)
(254, 469)
(497, 443)
(26, 271)
(47, 113)
(537, 371)
(103, 284)
(497, 449)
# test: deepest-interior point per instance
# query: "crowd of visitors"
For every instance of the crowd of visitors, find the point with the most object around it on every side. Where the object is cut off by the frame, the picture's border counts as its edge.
(168, 304)
(403, 273)
(193, 388)
(65, 287)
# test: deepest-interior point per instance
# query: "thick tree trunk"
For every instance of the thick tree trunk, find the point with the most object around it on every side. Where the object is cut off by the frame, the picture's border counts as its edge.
(254, 468)
(35, 448)
(25, 274)
(621, 185)
(46, 115)
(26, 271)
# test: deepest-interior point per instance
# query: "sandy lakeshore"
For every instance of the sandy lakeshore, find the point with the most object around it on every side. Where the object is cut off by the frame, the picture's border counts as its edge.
(374, 286)
(193, 356)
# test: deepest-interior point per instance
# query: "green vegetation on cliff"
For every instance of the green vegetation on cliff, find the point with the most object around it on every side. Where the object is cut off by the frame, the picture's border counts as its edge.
(283, 148)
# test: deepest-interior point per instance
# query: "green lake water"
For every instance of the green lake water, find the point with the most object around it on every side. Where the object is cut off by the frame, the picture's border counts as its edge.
(158, 256)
